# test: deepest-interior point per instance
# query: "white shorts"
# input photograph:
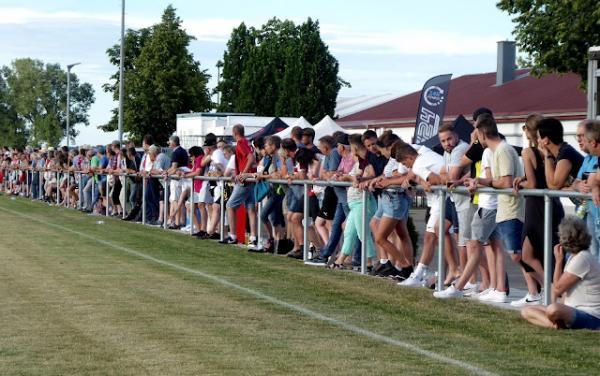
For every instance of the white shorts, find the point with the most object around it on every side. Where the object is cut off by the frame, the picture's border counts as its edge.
(175, 190)
(434, 218)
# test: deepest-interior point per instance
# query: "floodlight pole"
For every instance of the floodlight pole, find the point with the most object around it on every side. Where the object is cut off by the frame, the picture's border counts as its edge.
(69, 102)
(121, 73)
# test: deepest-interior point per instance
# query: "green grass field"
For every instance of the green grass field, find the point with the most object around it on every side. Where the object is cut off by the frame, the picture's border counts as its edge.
(123, 299)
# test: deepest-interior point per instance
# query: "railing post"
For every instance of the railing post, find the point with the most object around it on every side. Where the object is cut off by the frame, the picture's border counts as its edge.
(258, 224)
(80, 191)
(27, 183)
(93, 192)
(125, 196)
(41, 186)
(306, 213)
(548, 250)
(192, 211)
(57, 188)
(166, 201)
(222, 210)
(144, 200)
(441, 237)
(107, 193)
(68, 192)
(363, 230)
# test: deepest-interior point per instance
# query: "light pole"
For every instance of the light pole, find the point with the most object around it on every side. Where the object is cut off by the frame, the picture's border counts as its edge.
(121, 73)
(69, 101)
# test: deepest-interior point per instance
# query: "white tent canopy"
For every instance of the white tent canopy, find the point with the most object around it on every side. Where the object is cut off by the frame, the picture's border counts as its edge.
(326, 127)
(301, 122)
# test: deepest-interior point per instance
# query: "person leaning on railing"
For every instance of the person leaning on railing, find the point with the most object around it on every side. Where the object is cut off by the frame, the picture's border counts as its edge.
(578, 285)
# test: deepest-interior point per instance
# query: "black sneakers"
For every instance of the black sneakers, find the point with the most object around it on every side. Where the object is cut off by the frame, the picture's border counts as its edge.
(228, 240)
(297, 254)
(385, 270)
(317, 261)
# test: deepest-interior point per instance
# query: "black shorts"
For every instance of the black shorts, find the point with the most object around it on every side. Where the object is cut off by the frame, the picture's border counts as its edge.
(329, 204)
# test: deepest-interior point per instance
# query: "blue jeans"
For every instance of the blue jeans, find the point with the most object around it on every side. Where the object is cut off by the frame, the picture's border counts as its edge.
(273, 211)
(594, 230)
(152, 200)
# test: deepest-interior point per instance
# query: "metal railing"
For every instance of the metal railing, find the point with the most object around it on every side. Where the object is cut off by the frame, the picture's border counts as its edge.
(442, 192)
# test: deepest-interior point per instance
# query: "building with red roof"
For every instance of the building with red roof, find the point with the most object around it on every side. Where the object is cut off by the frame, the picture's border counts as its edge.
(560, 96)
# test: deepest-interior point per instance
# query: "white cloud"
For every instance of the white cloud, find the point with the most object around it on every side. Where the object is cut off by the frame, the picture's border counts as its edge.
(407, 41)
(211, 30)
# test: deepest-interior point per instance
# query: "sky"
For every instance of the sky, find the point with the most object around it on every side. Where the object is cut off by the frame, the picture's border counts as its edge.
(383, 46)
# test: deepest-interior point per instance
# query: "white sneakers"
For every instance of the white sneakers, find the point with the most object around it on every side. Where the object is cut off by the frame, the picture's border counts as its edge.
(494, 296)
(528, 300)
(413, 281)
(450, 292)
(471, 289)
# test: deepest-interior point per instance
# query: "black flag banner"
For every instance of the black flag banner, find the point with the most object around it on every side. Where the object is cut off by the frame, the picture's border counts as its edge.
(431, 107)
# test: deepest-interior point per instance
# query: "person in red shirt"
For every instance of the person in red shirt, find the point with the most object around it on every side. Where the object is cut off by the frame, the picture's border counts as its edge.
(243, 192)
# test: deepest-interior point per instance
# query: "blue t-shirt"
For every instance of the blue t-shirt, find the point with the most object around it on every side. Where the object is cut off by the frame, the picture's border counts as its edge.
(332, 161)
(104, 161)
(590, 164)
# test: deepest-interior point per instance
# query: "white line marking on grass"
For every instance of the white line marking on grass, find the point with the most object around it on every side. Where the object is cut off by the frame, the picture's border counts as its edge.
(305, 311)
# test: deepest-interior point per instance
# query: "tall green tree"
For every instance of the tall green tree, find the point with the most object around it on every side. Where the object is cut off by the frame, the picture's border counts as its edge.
(239, 48)
(281, 69)
(556, 34)
(35, 100)
(12, 129)
(162, 79)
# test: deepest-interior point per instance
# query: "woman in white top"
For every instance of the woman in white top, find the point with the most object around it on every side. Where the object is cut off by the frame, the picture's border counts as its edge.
(578, 286)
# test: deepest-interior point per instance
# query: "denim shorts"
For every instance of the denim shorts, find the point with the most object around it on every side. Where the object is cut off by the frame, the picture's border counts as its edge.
(393, 204)
(584, 320)
(242, 194)
(294, 204)
(511, 234)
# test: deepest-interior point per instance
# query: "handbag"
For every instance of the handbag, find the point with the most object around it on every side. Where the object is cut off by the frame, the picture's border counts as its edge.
(262, 189)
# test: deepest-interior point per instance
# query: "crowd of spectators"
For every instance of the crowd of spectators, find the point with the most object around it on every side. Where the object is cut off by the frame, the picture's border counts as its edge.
(160, 186)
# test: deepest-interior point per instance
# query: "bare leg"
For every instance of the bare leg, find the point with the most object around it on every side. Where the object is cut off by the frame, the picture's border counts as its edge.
(530, 259)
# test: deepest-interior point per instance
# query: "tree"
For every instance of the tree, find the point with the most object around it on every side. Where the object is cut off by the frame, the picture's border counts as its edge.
(12, 129)
(556, 34)
(281, 70)
(239, 47)
(162, 79)
(34, 101)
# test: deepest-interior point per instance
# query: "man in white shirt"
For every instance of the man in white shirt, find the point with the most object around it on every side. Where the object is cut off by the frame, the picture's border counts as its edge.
(425, 167)
(459, 210)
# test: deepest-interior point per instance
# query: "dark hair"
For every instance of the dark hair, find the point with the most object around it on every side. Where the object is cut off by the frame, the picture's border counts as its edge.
(305, 156)
(337, 133)
(551, 128)
(401, 150)
(259, 143)
(486, 124)
(387, 139)
(308, 131)
(369, 133)
(148, 139)
(274, 140)
(289, 145)
(196, 151)
(297, 132)
(357, 140)
(481, 110)
(328, 140)
(132, 151)
(238, 129)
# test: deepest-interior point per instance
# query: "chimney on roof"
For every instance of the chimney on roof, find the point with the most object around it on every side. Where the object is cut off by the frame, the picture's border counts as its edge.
(506, 62)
